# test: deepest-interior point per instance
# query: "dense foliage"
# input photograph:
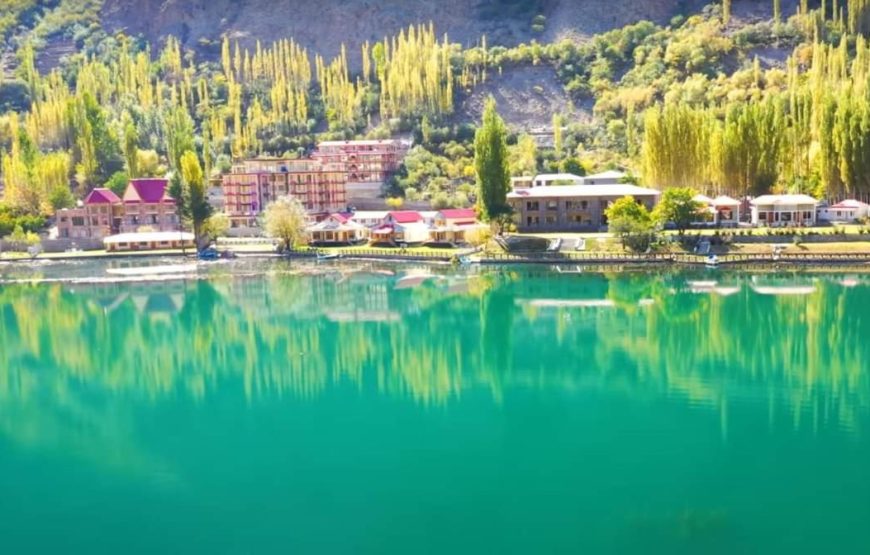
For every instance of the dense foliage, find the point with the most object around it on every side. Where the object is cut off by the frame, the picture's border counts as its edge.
(688, 104)
(491, 164)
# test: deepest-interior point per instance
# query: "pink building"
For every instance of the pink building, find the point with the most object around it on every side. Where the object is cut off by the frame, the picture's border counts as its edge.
(253, 184)
(99, 216)
(147, 203)
(372, 161)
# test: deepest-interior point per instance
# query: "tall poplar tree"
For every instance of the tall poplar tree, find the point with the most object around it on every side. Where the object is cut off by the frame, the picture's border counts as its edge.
(491, 163)
(194, 204)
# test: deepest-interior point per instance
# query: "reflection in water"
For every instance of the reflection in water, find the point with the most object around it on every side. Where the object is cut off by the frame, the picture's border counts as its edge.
(274, 407)
(429, 338)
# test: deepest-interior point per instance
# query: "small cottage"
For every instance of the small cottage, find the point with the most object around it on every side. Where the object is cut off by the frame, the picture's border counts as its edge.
(845, 211)
(403, 227)
(784, 210)
(150, 240)
(337, 229)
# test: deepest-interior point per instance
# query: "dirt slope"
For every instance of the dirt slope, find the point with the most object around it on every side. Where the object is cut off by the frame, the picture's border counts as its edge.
(324, 24)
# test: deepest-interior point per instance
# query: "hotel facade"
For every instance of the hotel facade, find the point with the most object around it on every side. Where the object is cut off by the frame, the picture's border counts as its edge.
(253, 184)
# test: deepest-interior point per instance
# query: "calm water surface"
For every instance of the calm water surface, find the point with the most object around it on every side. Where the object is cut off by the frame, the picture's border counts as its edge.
(377, 409)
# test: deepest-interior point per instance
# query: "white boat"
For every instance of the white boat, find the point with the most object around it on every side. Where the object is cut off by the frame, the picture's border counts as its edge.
(712, 261)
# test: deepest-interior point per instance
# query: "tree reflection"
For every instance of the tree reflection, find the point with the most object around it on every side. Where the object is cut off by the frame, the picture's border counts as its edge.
(302, 334)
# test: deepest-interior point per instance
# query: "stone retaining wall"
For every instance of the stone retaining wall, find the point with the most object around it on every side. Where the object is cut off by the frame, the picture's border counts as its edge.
(58, 245)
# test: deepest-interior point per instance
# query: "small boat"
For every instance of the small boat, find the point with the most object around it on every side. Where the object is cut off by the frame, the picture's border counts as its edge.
(327, 256)
(208, 254)
(712, 261)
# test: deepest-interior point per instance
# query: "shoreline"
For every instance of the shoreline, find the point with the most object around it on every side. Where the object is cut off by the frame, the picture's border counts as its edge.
(737, 261)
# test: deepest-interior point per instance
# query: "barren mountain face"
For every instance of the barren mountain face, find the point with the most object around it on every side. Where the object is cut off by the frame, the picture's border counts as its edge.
(324, 25)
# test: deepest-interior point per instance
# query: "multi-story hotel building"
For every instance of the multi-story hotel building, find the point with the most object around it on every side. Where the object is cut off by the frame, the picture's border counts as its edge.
(146, 205)
(368, 164)
(373, 161)
(253, 184)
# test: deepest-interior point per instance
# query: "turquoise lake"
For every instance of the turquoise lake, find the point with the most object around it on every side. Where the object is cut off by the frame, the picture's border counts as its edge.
(272, 407)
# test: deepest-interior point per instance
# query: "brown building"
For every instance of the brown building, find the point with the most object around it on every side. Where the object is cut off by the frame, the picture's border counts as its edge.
(367, 164)
(253, 184)
(146, 204)
(571, 207)
(98, 216)
(373, 161)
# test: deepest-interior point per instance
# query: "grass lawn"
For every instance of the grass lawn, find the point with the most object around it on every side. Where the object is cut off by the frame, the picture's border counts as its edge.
(755, 231)
(804, 248)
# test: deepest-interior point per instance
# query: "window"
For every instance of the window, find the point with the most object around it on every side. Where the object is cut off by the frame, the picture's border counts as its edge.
(78, 220)
(63, 219)
(534, 206)
(153, 219)
(94, 221)
(532, 220)
(551, 219)
(552, 205)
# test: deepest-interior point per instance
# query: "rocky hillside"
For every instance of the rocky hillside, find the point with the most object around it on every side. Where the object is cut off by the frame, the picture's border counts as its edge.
(322, 26)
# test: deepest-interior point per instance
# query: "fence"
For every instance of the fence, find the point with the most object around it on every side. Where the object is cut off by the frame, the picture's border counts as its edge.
(391, 254)
(665, 258)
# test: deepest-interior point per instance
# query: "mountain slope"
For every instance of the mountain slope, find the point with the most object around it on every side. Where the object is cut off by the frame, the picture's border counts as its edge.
(322, 26)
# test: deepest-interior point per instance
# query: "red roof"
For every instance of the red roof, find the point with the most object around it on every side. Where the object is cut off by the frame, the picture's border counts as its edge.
(102, 196)
(406, 216)
(150, 191)
(340, 217)
(459, 214)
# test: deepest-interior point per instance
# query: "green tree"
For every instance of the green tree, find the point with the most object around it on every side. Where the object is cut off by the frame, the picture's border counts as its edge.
(195, 205)
(216, 226)
(285, 219)
(178, 128)
(491, 164)
(524, 156)
(22, 240)
(677, 205)
(572, 165)
(148, 164)
(100, 155)
(61, 197)
(118, 183)
(557, 135)
(631, 222)
(131, 148)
